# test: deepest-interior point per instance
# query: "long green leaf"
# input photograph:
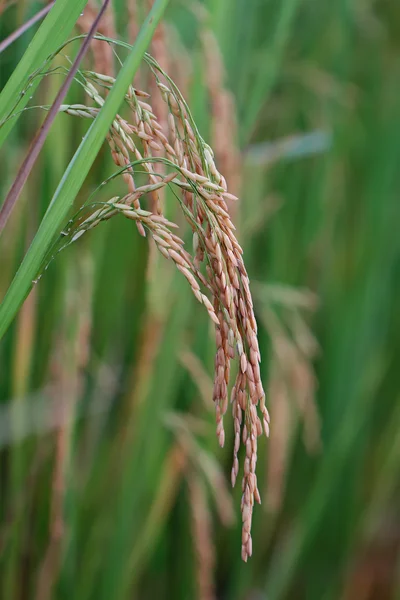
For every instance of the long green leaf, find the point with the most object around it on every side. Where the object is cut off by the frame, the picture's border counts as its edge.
(50, 35)
(76, 173)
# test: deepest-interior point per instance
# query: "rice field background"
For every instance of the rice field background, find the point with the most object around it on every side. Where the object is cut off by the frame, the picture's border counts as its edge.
(113, 485)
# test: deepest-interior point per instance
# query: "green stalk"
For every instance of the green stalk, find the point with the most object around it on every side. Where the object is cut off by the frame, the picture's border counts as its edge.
(75, 174)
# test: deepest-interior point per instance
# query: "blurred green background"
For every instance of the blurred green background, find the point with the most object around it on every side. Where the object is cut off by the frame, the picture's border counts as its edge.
(113, 485)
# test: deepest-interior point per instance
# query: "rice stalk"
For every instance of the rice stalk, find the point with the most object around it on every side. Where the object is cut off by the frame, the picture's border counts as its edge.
(202, 535)
(70, 359)
(224, 128)
(102, 53)
(292, 382)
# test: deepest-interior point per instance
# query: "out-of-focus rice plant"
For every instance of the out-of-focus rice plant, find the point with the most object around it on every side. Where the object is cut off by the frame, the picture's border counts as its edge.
(112, 481)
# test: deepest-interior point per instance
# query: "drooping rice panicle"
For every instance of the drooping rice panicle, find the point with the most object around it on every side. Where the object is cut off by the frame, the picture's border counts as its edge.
(223, 286)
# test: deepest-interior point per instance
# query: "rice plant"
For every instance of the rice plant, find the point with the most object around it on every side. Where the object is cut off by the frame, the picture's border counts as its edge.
(218, 183)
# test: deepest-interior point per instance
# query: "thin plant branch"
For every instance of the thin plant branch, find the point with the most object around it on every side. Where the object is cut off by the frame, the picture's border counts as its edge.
(21, 30)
